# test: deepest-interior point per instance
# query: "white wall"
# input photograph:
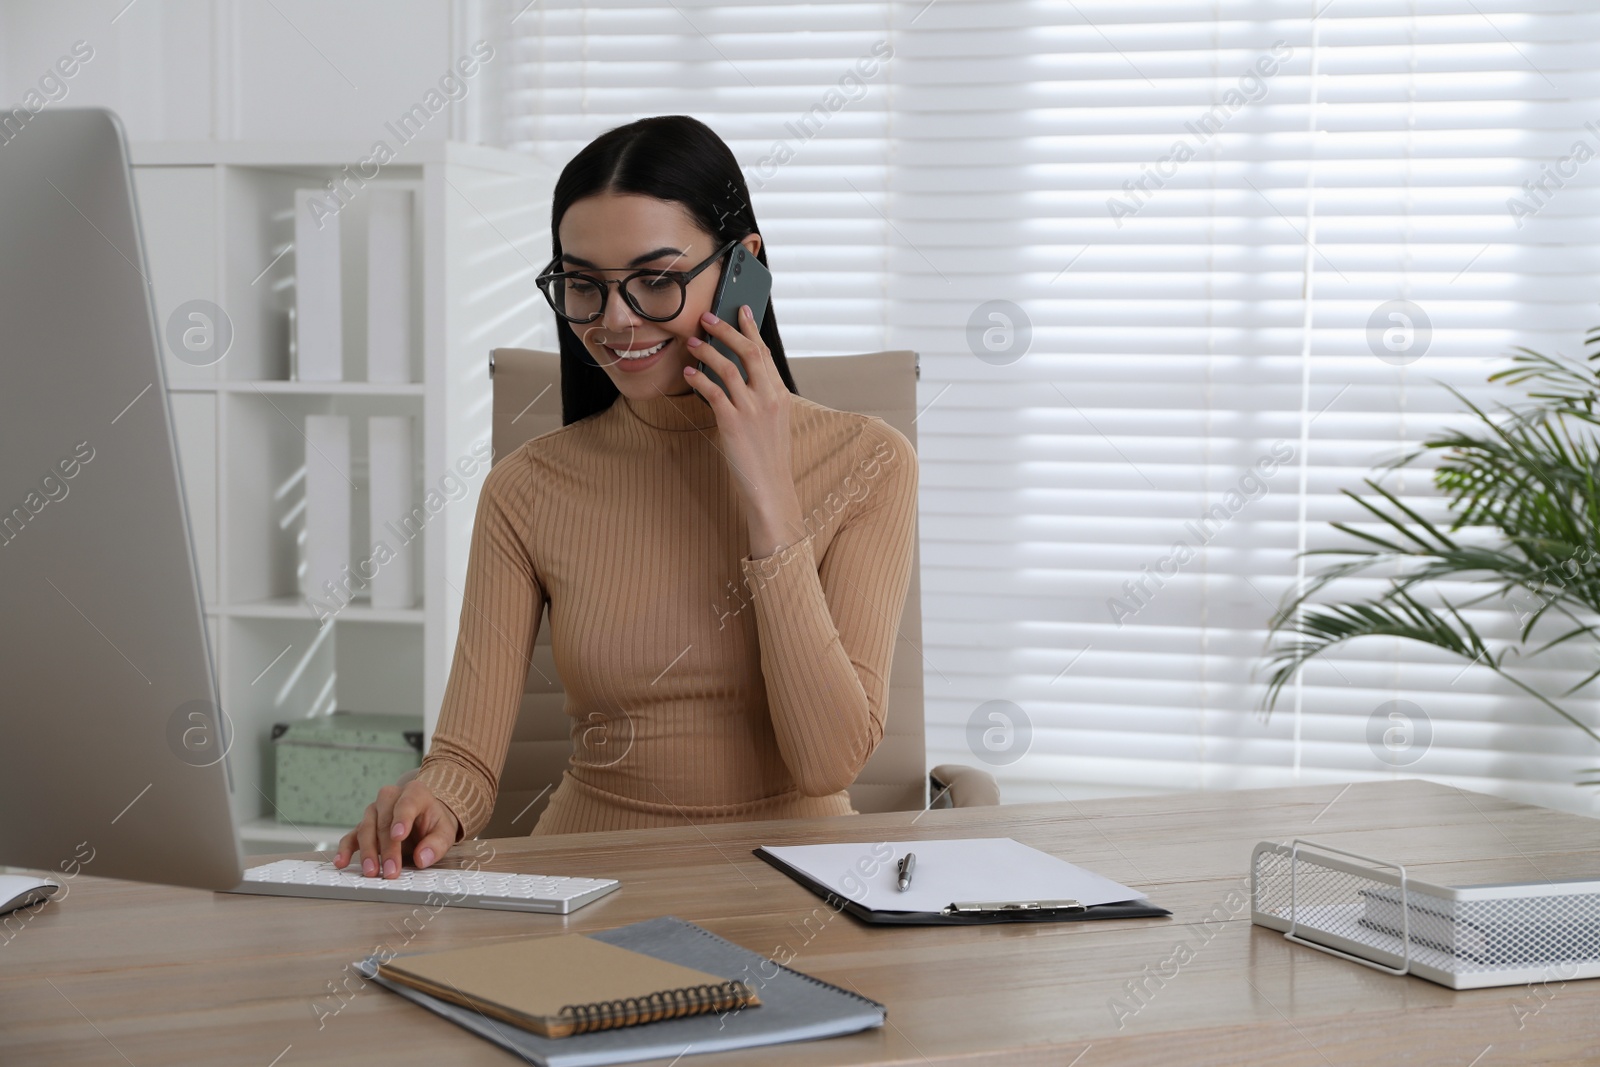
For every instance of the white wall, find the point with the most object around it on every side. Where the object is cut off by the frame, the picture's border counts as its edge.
(289, 70)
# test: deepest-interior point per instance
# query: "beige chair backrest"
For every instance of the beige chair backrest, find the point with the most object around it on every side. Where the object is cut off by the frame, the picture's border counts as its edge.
(527, 403)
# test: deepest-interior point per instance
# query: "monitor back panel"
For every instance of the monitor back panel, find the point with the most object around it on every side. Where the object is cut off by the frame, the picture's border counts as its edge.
(112, 759)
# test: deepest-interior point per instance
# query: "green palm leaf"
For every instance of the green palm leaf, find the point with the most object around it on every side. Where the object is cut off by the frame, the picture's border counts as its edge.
(1524, 482)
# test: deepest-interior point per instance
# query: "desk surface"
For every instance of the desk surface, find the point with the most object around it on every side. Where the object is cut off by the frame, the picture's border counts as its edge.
(123, 973)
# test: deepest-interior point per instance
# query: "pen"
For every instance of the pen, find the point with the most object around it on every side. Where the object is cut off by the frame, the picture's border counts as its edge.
(907, 864)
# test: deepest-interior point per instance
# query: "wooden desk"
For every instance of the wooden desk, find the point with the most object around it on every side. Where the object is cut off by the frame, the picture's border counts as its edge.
(124, 973)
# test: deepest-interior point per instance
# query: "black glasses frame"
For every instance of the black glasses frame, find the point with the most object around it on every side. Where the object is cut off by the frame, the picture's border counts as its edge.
(683, 278)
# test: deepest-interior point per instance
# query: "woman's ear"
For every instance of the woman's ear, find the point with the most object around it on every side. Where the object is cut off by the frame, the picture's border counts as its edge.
(753, 243)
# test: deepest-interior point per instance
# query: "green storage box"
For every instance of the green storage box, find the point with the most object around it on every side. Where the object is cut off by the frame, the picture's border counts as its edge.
(329, 768)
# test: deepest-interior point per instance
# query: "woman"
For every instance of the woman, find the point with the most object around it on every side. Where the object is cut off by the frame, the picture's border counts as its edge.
(723, 571)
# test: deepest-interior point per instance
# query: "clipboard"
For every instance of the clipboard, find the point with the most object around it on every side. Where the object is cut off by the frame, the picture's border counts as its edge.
(864, 883)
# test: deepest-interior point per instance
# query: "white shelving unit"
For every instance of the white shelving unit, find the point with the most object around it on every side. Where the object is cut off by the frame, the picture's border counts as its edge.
(218, 226)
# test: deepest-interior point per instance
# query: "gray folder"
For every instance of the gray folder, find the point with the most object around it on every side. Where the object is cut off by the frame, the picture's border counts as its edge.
(794, 1006)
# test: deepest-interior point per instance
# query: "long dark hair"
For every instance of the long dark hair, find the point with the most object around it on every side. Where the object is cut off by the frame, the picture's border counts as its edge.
(670, 157)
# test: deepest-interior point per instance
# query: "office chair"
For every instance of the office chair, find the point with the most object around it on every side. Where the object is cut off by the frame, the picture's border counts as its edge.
(527, 403)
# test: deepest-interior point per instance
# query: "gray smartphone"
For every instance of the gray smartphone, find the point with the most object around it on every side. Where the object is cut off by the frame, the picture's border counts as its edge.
(745, 280)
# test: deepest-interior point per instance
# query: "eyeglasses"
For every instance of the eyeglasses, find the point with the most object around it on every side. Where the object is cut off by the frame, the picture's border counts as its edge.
(657, 295)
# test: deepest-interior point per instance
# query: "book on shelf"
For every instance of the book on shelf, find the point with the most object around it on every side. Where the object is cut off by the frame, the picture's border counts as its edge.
(319, 322)
(392, 523)
(389, 267)
(326, 555)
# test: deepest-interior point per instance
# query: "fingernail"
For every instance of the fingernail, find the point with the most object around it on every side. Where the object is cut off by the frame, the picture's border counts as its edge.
(694, 342)
(388, 868)
(369, 868)
(744, 309)
(397, 830)
(709, 318)
(424, 857)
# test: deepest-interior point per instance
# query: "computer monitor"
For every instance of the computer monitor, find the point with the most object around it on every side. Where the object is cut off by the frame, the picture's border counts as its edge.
(113, 759)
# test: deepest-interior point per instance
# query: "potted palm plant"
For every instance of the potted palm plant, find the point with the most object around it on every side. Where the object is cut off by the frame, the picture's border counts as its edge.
(1522, 484)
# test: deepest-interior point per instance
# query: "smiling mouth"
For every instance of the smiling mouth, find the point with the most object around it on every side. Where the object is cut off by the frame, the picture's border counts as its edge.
(636, 354)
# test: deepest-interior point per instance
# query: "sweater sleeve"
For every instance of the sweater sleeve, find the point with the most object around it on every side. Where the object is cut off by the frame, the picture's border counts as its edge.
(827, 631)
(500, 609)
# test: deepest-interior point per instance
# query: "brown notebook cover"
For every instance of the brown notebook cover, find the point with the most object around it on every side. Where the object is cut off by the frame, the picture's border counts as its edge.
(566, 984)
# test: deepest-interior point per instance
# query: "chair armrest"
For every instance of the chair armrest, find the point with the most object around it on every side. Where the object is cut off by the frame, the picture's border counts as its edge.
(963, 787)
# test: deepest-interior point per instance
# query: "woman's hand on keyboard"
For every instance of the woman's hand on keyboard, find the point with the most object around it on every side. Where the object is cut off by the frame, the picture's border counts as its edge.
(414, 824)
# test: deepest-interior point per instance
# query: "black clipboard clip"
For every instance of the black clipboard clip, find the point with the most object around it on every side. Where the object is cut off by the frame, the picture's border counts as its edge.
(1042, 908)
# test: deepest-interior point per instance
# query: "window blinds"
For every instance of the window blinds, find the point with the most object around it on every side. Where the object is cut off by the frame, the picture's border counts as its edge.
(1179, 273)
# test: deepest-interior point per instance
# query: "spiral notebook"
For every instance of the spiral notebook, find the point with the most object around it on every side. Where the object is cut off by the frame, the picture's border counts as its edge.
(566, 984)
(794, 1006)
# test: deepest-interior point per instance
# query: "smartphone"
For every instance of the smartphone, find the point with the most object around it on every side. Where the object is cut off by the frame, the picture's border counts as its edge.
(745, 280)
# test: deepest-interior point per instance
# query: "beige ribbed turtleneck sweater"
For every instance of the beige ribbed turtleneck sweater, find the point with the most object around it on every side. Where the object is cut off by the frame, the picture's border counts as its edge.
(702, 685)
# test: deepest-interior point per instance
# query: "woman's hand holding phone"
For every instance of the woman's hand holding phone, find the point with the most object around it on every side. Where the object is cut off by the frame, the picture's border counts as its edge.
(402, 824)
(753, 424)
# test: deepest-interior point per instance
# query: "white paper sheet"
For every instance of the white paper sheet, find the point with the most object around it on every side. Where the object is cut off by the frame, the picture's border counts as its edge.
(980, 868)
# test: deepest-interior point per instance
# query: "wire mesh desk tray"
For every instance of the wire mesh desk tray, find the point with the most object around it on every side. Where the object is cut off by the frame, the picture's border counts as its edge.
(1371, 912)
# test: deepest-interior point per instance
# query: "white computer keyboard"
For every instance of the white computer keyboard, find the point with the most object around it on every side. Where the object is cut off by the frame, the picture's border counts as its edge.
(440, 885)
